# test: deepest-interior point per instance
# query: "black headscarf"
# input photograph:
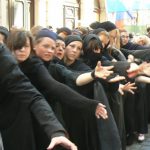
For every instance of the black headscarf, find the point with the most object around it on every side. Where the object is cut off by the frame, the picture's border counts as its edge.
(89, 56)
(4, 31)
(71, 38)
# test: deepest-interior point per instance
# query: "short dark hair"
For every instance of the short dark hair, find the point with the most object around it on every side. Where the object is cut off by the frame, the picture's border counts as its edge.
(17, 39)
(64, 29)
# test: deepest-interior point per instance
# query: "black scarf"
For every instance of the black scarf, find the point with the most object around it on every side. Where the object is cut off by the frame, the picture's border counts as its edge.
(92, 58)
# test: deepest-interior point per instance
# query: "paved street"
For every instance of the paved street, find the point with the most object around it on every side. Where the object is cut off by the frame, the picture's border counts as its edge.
(143, 146)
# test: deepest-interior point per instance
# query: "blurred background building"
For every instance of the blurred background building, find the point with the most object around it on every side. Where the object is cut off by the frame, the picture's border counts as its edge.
(133, 15)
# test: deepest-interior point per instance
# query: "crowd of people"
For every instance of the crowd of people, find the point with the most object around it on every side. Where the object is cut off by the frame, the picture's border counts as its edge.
(84, 88)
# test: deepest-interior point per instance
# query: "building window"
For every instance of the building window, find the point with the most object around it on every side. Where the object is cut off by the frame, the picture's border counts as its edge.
(71, 16)
(19, 14)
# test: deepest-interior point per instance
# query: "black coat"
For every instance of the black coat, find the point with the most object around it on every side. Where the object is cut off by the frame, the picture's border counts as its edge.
(17, 99)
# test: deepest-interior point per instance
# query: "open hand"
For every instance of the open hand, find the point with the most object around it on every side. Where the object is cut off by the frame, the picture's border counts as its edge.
(129, 87)
(102, 71)
(101, 111)
(133, 70)
(63, 141)
(144, 69)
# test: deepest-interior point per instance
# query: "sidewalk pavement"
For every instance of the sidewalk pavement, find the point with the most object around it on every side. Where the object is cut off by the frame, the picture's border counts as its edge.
(141, 146)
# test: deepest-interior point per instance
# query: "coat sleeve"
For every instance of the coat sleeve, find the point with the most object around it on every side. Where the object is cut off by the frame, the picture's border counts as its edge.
(120, 67)
(62, 92)
(15, 82)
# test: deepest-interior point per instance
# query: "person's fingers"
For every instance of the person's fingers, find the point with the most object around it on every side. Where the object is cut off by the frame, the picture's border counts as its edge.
(133, 88)
(101, 111)
(99, 64)
(117, 78)
(108, 67)
(127, 84)
(52, 144)
(101, 105)
(62, 141)
(121, 92)
(97, 116)
(111, 72)
(104, 116)
(101, 115)
(131, 91)
(73, 147)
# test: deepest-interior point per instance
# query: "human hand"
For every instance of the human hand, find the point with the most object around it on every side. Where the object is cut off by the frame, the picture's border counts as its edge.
(116, 79)
(63, 141)
(130, 58)
(102, 71)
(144, 68)
(129, 87)
(133, 70)
(101, 111)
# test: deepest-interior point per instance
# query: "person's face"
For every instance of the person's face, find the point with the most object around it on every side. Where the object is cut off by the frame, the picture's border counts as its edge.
(104, 39)
(2, 38)
(60, 49)
(124, 38)
(45, 49)
(113, 36)
(22, 54)
(72, 51)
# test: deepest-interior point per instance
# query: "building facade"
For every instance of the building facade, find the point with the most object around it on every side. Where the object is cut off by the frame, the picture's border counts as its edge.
(55, 13)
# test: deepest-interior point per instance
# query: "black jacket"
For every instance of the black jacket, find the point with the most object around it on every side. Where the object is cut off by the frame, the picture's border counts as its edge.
(15, 88)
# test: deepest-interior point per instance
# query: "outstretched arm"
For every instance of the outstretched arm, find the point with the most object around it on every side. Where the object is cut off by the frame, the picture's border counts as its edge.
(100, 72)
(142, 69)
(142, 79)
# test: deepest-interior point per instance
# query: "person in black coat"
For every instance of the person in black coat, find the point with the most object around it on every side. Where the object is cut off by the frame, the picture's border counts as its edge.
(139, 53)
(126, 44)
(18, 98)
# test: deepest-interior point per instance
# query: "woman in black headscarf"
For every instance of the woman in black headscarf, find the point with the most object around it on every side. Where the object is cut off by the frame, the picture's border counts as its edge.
(93, 52)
